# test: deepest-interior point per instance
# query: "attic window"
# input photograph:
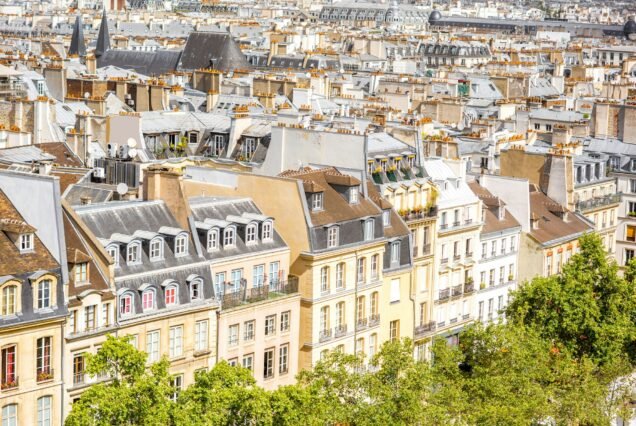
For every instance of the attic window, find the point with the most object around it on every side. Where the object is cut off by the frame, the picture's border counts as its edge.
(181, 245)
(26, 242)
(266, 231)
(81, 272)
(250, 234)
(353, 194)
(386, 218)
(316, 201)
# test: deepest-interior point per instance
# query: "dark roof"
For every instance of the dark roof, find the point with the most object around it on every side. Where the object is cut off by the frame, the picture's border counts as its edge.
(434, 16)
(212, 50)
(78, 46)
(103, 38)
(63, 154)
(492, 223)
(630, 27)
(146, 63)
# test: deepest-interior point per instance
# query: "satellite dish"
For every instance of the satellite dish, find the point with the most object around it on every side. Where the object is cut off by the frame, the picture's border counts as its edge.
(132, 152)
(87, 95)
(132, 142)
(122, 189)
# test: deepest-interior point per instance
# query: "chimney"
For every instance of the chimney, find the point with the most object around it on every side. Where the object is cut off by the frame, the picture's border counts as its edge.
(211, 100)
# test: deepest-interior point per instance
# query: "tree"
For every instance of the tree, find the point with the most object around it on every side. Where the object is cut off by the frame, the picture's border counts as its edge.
(588, 309)
(135, 395)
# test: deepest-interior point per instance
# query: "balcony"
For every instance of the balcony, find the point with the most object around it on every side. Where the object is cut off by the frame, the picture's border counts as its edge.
(453, 320)
(426, 249)
(457, 290)
(425, 329)
(257, 294)
(443, 226)
(361, 324)
(9, 383)
(374, 320)
(596, 202)
(444, 294)
(456, 224)
(469, 287)
(78, 378)
(444, 261)
(340, 331)
(415, 251)
(469, 255)
(468, 222)
(44, 375)
(324, 335)
(418, 214)
(456, 258)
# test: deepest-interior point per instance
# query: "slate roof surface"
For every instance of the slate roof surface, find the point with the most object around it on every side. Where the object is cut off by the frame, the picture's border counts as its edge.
(212, 50)
(147, 63)
(492, 223)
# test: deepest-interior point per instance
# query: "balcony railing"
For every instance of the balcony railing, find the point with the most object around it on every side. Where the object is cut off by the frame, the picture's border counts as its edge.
(417, 214)
(456, 258)
(468, 222)
(444, 294)
(374, 320)
(78, 378)
(469, 287)
(340, 331)
(324, 335)
(595, 202)
(468, 255)
(425, 329)
(456, 223)
(444, 261)
(361, 323)
(256, 294)
(426, 249)
(415, 251)
(44, 375)
(9, 383)
(457, 290)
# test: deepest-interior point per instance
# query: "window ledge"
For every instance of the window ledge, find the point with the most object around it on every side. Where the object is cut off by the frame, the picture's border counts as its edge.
(202, 352)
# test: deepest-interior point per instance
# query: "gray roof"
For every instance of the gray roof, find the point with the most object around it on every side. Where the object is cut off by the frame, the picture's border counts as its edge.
(212, 50)
(78, 46)
(147, 63)
(24, 154)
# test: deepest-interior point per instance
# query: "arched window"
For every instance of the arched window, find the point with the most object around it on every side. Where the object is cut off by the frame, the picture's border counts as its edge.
(133, 253)
(213, 239)
(171, 295)
(156, 249)
(44, 411)
(181, 245)
(250, 233)
(266, 231)
(229, 236)
(126, 304)
(10, 415)
(148, 299)
(196, 289)
(9, 300)
(113, 251)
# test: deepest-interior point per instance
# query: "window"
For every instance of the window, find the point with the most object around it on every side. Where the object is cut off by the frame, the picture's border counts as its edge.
(395, 291)
(233, 335)
(324, 279)
(480, 312)
(125, 305)
(340, 275)
(219, 282)
(89, 317)
(193, 137)
(152, 346)
(353, 195)
(274, 273)
(360, 345)
(373, 342)
(324, 318)
(9, 300)
(360, 269)
(332, 237)
(10, 415)
(632, 186)
(133, 254)
(340, 315)
(270, 325)
(196, 290)
(394, 330)
(283, 358)
(44, 411)
(236, 276)
(369, 225)
(630, 234)
(395, 252)
(134, 341)
(26, 242)
(171, 295)
(148, 299)
(375, 303)
(113, 252)
(72, 321)
(228, 237)
(233, 362)
(268, 363)
(176, 341)
(44, 294)
(248, 333)
(266, 231)
(250, 234)
(213, 239)
(361, 309)
(248, 362)
(284, 321)
(81, 270)
(181, 245)
(176, 382)
(9, 373)
(316, 201)
(201, 335)
(386, 218)
(217, 148)
(513, 243)
(258, 274)
(629, 254)
(156, 249)
(249, 147)
(78, 369)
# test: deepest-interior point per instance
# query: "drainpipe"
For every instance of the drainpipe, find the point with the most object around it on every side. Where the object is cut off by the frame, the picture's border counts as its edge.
(63, 385)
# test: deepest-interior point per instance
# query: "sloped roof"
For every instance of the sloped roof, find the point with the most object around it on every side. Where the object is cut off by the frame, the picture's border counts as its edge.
(78, 46)
(215, 50)
(147, 63)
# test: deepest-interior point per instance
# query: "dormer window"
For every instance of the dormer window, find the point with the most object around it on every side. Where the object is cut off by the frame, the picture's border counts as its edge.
(26, 242)
(125, 304)
(181, 245)
(156, 249)
(354, 191)
(316, 201)
(81, 272)
(196, 290)
(133, 253)
(333, 237)
(395, 252)
(113, 251)
(148, 299)
(369, 226)
(250, 234)
(213, 239)
(266, 231)
(229, 236)
(386, 218)
(171, 295)
(44, 294)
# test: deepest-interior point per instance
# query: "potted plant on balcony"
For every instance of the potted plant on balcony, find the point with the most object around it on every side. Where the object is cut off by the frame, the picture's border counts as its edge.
(482, 286)
(511, 277)
(44, 375)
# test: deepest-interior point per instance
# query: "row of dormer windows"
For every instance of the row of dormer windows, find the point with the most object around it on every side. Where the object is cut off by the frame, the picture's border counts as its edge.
(149, 297)
(43, 297)
(229, 235)
(155, 252)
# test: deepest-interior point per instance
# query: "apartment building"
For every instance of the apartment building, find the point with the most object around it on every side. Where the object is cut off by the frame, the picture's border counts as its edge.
(165, 294)
(33, 285)
(459, 224)
(496, 270)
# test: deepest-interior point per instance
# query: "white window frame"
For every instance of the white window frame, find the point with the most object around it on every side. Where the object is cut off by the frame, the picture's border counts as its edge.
(213, 239)
(386, 218)
(333, 236)
(250, 233)
(113, 251)
(229, 237)
(395, 252)
(175, 341)
(201, 335)
(198, 285)
(354, 195)
(154, 299)
(156, 253)
(153, 340)
(369, 229)
(126, 309)
(133, 248)
(181, 245)
(176, 295)
(26, 242)
(44, 410)
(266, 230)
(317, 201)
